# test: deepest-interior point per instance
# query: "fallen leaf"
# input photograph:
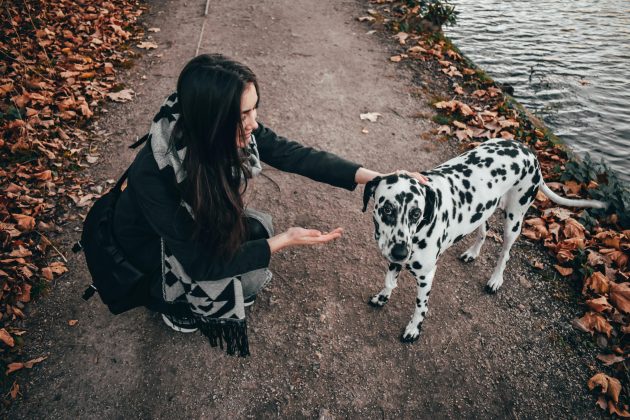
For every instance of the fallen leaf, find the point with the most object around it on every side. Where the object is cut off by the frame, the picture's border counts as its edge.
(6, 338)
(395, 58)
(147, 45)
(15, 390)
(24, 222)
(610, 359)
(597, 282)
(609, 386)
(592, 321)
(564, 271)
(370, 116)
(153, 29)
(620, 296)
(401, 37)
(599, 305)
(124, 95)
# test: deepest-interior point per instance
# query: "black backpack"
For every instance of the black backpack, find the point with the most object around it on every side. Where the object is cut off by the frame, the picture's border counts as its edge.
(120, 285)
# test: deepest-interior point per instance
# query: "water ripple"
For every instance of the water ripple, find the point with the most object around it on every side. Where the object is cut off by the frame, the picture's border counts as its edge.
(568, 61)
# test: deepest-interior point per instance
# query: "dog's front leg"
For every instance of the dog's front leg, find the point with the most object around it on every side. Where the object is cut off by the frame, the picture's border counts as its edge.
(391, 281)
(424, 282)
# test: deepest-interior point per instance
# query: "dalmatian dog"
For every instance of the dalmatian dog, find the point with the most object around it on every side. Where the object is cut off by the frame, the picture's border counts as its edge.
(415, 223)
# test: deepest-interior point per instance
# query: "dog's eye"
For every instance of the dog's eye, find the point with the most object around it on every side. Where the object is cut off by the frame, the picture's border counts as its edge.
(414, 214)
(387, 209)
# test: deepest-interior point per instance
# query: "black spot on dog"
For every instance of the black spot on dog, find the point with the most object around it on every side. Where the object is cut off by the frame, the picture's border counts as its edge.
(414, 240)
(458, 238)
(462, 197)
(489, 204)
(414, 189)
(468, 197)
(381, 199)
(459, 218)
(422, 244)
(423, 285)
(528, 197)
(394, 266)
(515, 168)
(466, 183)
(489, 184)
(515, 228)
(511, 216)
(416, 265)
(391, 179)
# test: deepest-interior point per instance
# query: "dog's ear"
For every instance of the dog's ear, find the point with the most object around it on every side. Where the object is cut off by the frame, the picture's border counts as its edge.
(429, 204)
(368, 191)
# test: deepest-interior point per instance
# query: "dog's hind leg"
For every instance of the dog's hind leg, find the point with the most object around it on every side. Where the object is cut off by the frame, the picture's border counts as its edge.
(391, 281)
(473, 252)
(514, 211)
(424, 283)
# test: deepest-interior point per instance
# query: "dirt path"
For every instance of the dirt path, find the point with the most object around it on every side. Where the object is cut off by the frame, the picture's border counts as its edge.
(317, 348)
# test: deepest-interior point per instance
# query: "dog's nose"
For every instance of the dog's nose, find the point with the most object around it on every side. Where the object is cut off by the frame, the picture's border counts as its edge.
(399, 252)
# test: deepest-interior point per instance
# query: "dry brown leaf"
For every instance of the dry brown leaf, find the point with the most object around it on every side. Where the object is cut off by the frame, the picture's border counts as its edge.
(24, 222)
(599, 305)
(15, 390)
(6, 338)
(124, 95)
(564, 271)
(610, 359)
(609, 386)
(73, 322)
(597, 282)
(395, 59)
(573, 229)
(620, 296)
(592, 321)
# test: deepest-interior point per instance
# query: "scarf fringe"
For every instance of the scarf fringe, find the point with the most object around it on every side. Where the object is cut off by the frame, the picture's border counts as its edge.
(231, 332)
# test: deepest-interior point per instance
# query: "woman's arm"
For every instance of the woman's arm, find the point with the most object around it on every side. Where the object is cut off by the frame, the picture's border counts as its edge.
(363, 175)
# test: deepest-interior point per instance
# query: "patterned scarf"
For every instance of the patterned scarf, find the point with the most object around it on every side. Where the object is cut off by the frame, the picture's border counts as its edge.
(217, 305)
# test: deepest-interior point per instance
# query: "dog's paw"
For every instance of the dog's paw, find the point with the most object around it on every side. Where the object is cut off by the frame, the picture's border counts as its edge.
(378, 301)
(493, 285)
(467, 257)
(411, 334)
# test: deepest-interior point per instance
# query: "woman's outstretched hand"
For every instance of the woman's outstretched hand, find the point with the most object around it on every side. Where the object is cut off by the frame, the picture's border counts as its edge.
(300, 236)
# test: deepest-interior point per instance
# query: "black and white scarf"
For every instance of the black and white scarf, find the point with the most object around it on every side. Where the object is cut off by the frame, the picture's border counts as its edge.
(217, 305)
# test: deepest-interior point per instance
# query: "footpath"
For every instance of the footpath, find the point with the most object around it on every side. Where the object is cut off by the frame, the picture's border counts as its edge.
(318, 350)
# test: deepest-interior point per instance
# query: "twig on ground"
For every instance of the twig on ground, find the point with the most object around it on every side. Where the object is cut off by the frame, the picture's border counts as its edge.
(205, 13)
(53, 246)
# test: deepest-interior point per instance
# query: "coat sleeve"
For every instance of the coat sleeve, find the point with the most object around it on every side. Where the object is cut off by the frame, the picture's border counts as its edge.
(290, 156)
(160, 203)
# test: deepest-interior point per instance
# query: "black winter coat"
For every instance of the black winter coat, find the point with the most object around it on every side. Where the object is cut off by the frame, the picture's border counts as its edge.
(149, 208)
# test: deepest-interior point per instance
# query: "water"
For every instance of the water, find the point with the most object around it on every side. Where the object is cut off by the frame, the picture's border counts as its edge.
(568, 61)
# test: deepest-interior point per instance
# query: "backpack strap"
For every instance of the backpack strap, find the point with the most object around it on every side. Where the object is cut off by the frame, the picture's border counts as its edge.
(139, 141)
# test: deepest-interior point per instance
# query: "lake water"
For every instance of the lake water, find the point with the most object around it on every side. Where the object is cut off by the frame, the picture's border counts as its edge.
(568, 61)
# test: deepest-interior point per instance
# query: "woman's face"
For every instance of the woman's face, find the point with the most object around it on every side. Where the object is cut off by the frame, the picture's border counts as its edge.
(248, 114)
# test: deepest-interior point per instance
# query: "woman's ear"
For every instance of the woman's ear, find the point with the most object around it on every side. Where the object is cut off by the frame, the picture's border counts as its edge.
(368, 191)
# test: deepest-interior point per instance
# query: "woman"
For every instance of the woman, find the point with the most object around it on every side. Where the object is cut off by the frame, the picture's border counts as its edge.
(182, 217)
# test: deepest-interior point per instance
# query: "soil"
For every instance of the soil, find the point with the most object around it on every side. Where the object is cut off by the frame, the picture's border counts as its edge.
(318, 350)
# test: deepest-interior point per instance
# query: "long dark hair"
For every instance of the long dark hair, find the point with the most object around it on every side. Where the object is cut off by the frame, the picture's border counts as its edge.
(209, 91)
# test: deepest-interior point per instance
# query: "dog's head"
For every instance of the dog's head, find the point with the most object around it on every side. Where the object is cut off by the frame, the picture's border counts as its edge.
(402, 206)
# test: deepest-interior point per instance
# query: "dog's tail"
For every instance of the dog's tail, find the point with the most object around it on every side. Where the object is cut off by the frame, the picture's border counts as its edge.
(596, 204)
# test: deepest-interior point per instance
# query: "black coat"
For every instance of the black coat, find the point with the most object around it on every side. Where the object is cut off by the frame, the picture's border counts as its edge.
(150, 208)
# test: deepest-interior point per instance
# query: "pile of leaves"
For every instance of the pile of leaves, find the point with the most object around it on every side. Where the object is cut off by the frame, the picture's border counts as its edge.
(58, 64)
(591, 247)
